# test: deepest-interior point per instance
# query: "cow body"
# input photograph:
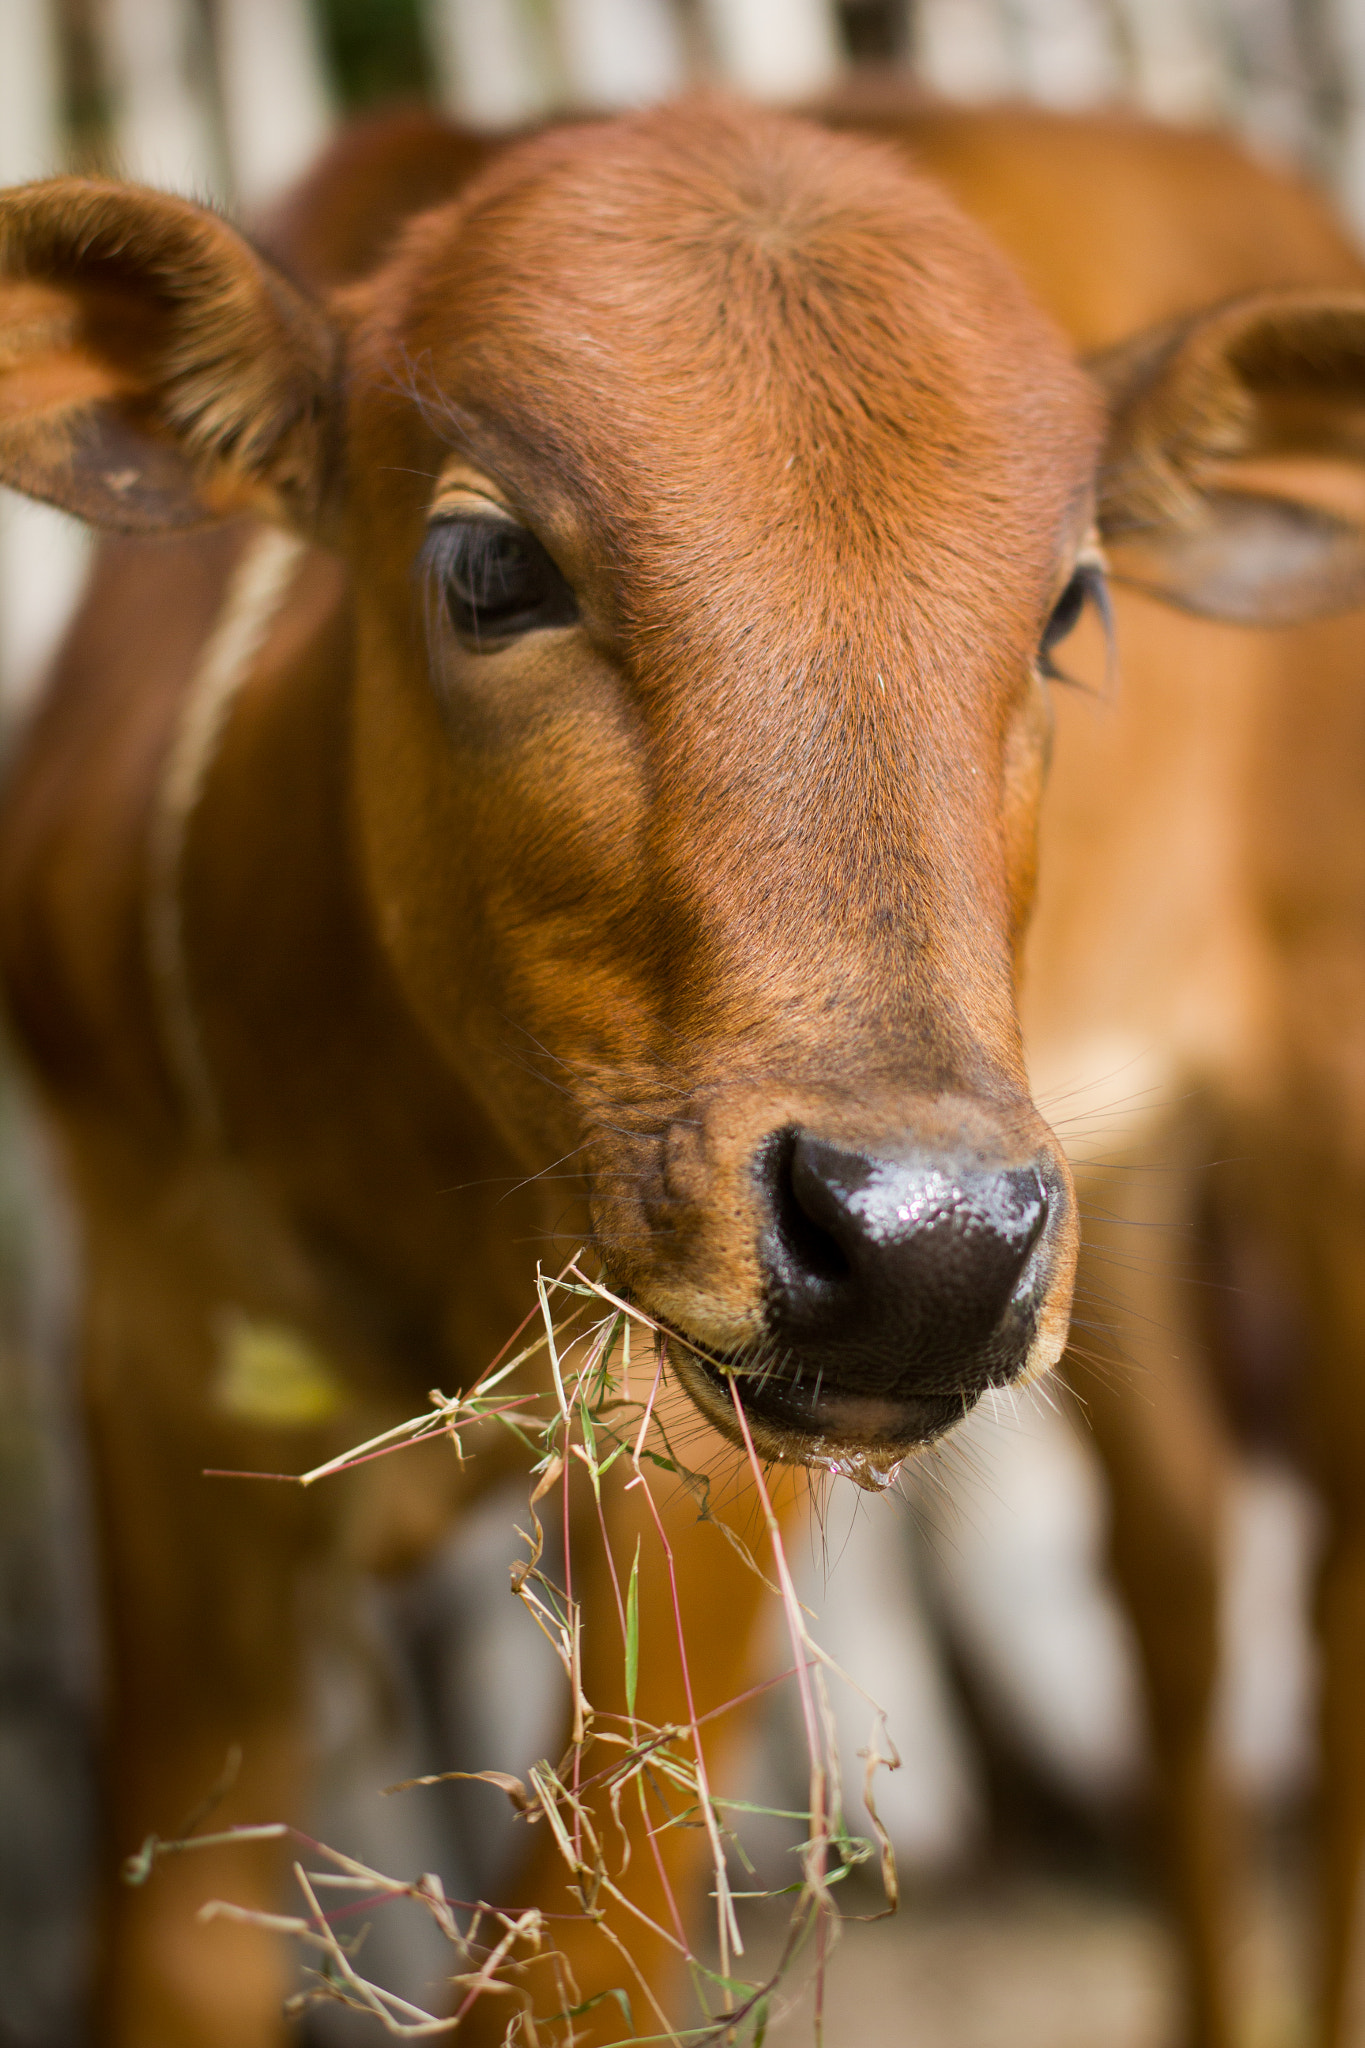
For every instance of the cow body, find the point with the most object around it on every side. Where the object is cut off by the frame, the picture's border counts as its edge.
(329, 931)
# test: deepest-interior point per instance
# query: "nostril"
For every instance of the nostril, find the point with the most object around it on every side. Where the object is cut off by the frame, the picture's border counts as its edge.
(902, 1278)
(926, 1250)
(800, 1210)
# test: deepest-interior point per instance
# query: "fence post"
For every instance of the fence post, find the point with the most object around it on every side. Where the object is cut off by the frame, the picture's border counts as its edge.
(492, 70)
(775, 49)
(276, 107)
(42, 552)
(620, 53)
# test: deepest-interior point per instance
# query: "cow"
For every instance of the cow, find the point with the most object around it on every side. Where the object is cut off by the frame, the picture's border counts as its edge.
(568, 690)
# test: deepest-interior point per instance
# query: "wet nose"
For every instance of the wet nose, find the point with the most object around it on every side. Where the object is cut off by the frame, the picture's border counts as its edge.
(900, 1271)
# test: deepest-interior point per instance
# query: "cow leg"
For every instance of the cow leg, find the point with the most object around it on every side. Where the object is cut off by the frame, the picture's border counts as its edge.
(201, 1631)
(1163, 1445)
(718, 1600)
(1336, 1296)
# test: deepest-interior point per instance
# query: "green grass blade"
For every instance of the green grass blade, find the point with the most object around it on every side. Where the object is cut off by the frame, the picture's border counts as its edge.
(633, 1632)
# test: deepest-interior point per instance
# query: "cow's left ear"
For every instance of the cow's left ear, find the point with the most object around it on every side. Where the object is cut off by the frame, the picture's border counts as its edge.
(1236, 458)
(155, 370)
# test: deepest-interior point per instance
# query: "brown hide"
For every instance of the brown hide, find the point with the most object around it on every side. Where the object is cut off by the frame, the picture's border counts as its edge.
(743, 850)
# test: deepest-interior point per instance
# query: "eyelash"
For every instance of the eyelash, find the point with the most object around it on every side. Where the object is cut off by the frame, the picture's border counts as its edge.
(1087, 586)
(493, 580)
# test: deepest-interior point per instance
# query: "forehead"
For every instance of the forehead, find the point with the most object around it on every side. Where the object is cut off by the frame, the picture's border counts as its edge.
(709, 317)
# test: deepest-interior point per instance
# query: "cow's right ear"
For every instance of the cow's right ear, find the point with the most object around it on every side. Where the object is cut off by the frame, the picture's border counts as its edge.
(1233, 480)
(155, 372)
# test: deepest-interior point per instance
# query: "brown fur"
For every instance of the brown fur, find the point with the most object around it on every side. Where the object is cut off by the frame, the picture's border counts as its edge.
(752, 845)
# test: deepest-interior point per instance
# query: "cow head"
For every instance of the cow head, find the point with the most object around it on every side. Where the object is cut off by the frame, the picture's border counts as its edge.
(715, 499)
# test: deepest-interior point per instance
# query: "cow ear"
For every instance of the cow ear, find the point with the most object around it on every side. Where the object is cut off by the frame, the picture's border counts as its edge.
(155, 372)
(1233, 480)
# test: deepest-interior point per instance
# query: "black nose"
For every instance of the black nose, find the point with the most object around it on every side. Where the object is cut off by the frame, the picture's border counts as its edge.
(897, 1277)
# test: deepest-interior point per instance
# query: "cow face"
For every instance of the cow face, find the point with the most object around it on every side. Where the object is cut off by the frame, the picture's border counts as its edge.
(742, 495)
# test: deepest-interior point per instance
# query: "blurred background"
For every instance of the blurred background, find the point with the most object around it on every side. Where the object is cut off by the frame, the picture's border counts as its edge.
(976, 1609)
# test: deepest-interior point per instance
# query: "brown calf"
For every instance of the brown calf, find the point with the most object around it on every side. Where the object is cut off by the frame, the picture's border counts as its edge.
(606, 725)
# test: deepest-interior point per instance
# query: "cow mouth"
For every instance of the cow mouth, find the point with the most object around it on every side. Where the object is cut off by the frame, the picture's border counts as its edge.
(894, 1285)
(790, 1415)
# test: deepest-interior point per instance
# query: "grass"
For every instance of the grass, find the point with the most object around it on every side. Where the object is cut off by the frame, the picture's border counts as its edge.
(601, 1353)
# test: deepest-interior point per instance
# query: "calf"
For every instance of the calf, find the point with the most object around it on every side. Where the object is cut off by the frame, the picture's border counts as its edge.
(569, 693)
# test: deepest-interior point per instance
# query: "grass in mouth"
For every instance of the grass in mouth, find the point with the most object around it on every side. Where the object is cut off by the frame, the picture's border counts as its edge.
(607, 1365)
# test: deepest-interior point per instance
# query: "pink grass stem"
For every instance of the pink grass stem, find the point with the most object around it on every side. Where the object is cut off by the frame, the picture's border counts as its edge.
(727, 1928)
(796, 1629)
(529, 1317)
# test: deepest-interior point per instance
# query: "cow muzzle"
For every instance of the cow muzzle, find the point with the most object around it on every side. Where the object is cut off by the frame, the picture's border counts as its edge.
(892, 1281)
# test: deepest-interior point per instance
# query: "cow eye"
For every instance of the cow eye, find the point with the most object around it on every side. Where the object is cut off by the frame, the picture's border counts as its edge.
(1087, 586)
(495, 581)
